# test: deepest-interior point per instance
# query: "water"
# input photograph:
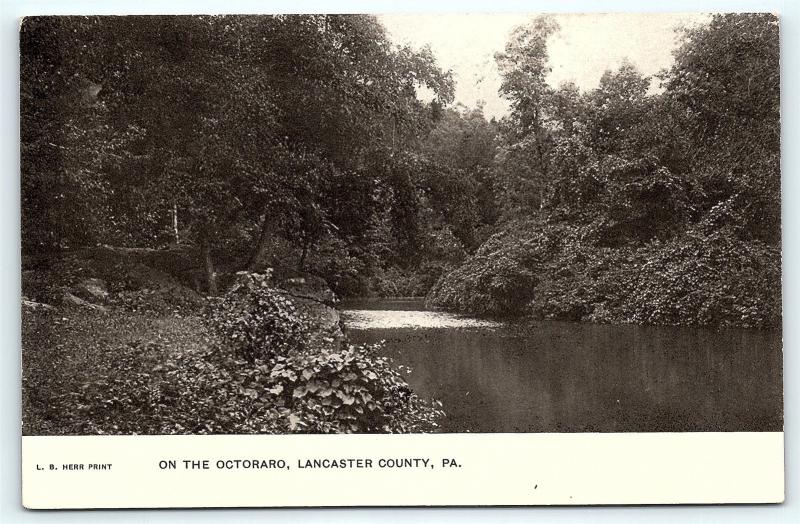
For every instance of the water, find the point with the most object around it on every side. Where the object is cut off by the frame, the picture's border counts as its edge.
(569, 376)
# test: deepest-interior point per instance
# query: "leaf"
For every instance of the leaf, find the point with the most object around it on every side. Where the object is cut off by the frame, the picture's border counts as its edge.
(299, 392)
(294, 422)
(345, 398)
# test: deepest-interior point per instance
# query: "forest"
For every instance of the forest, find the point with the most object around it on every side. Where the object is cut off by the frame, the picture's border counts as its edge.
(312, 147)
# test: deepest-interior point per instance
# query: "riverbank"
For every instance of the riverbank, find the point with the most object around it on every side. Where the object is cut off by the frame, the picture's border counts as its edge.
(104, 360)
(557, 271)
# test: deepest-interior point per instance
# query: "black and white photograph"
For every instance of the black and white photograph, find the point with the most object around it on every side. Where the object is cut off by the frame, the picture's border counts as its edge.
(400, 223)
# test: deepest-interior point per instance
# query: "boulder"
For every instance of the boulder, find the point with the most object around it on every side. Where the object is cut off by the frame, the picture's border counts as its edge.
(92, 289)
(36, 306)
(141, 276)
(308, 287)
(324, 322)
(71, 300)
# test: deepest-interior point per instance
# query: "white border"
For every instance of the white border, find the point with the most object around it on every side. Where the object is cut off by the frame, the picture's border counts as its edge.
(9, 261)
(504, 469)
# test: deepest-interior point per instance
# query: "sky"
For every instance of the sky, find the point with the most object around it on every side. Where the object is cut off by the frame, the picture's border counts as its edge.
(581, 51)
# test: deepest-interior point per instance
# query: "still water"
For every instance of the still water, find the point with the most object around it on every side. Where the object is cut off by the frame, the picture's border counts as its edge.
(571, 376)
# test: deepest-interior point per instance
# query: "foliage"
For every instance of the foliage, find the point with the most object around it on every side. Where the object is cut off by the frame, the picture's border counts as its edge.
(209, 120)
(354, 390)
(259, 321)
(304, 142)
(555, 272)
(645, 208)
(726, 77)
(135, 375)
(498, 279)
(524, 67)
(124, 372)
(301, 140)
(397, 282)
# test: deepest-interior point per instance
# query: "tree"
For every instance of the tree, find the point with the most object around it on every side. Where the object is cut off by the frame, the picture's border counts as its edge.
(524, 67)
(463, 186)
(226, 121)
(726, 76)
(616, 109)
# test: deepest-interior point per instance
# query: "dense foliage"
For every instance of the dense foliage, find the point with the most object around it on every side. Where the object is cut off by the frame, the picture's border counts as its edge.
(258, 321)
(225, 132)
(119, 372)
(621, 205)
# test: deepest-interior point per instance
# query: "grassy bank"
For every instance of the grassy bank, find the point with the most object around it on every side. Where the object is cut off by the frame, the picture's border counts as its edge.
(87, 371)
(252, 361)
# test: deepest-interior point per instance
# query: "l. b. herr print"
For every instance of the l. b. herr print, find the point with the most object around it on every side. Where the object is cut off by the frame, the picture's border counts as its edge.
(359, 224)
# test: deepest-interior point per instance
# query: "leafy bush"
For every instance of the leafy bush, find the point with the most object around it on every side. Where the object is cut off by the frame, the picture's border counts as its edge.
(349, 389)
(707, 279)
(256, 320)
(396, 282)
(354, 390)
(706, 276)
(500, 278)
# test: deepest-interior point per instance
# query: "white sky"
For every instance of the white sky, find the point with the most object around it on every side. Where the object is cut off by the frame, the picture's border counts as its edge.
(586, 46)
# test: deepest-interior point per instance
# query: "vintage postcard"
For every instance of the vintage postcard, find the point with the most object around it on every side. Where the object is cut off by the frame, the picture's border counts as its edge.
(496, 259)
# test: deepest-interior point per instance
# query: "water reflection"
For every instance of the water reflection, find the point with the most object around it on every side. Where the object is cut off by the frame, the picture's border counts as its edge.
(366, 319)
(565, 377)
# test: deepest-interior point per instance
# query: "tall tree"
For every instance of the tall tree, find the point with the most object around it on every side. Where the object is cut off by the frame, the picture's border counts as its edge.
(524, 67)
(727, 77)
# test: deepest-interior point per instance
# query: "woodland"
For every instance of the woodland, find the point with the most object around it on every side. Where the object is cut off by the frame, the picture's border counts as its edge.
(187, 167)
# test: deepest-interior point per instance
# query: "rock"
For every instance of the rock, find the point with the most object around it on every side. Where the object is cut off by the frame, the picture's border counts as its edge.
(92, 289)
(36, 306)
(310, 287)
(71, 300)
(324, 322)
(142, 276)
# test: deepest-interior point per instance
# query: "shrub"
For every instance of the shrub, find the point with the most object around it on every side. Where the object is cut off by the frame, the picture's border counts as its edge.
(258, 321)
(706, 276)
(297, 387)
(353, 390)
(706, 279)
(501, 277)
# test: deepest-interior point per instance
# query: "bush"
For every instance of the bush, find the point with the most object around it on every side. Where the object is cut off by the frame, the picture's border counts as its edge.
(258, 321)
(705, 277)
(298, 388)
(354, 390)
(500, 278)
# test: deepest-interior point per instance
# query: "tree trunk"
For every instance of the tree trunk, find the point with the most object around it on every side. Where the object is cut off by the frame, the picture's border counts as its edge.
(208, 262)
(175, 224)
(264, 237)
(302, 264)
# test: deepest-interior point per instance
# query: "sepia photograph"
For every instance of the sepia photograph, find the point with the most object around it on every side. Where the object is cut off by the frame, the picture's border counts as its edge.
(400, 223)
